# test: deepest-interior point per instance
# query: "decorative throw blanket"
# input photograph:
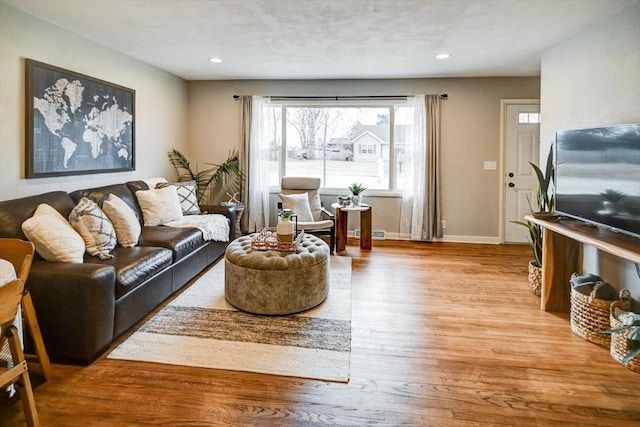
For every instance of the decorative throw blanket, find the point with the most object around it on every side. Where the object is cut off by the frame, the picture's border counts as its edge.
(213, 227)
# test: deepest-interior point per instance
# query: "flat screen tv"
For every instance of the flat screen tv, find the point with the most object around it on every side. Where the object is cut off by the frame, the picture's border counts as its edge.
(597, 176)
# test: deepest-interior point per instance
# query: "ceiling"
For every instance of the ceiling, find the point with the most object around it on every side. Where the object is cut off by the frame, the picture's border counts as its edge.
(328, 39)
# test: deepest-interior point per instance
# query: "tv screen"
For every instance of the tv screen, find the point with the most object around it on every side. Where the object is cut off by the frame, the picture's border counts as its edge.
(597, 176)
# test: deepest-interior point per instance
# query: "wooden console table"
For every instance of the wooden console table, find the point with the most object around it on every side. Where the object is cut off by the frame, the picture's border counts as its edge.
(562, 255)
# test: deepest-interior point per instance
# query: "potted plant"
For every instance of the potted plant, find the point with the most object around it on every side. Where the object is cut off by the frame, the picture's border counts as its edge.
(223, 173)
(356, 189)
(544, 208)
(612, 200)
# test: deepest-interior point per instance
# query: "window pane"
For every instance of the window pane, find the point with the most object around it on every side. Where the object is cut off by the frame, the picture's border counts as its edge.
(272, 122)
(523, 117)
(403, 136)
(341, 145)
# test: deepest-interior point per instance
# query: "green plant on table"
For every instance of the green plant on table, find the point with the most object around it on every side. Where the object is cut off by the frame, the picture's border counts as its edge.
(356, 188)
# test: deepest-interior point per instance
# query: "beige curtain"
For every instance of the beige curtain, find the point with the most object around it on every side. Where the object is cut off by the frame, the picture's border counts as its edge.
(244, 158)
(433, 208)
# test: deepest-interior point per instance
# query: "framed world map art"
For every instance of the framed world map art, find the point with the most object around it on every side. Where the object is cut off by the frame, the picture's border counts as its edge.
(77, 124)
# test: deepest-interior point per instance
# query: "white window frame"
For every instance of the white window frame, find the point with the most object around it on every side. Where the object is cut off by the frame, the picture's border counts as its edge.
(393, 190)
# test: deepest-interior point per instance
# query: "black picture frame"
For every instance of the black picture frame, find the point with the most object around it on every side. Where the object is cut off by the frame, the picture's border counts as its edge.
(76, 124)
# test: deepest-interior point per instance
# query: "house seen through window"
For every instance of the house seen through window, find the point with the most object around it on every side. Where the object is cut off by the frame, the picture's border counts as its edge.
(340, 143)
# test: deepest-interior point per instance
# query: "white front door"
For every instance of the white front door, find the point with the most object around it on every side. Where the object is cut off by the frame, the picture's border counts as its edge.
(522, 145)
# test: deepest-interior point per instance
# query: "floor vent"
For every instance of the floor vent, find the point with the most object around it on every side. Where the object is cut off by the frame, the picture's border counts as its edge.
(375, 234)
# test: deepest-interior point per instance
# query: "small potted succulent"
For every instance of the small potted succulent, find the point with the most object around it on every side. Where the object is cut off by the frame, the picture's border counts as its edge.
(356, 189)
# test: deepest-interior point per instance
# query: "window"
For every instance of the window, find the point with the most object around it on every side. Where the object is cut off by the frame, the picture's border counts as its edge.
(367, 149)
(528, 117)
(340, 142)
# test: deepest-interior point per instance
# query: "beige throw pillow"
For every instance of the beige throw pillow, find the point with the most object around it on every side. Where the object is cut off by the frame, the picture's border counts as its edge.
(299, 204)
(124, 220)
(95, 228)
(53, 236)
(159, 206)
(187, 194)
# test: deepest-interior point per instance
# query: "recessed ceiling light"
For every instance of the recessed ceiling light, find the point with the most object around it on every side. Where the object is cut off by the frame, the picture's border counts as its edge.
(215, 60)
(443, 56)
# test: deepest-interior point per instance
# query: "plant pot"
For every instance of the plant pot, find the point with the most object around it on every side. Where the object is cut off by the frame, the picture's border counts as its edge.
(355, 200)
(535, 278)
(284, 230)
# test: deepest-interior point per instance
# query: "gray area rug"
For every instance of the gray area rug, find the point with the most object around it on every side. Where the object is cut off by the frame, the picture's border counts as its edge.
(199, 328)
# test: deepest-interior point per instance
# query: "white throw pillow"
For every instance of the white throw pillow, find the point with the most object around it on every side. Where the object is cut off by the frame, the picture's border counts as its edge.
(299, 204)
(124, 220)
(159, 206)
(95, 228)
(53, 236)
(186, 194)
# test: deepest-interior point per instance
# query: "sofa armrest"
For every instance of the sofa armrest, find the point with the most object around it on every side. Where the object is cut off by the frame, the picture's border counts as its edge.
(228, 211)
(75, 305)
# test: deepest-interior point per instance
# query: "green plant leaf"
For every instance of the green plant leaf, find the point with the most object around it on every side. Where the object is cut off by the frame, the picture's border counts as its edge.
(631, 355)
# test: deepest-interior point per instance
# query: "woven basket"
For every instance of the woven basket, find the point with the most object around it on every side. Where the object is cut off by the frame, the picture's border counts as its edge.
(619, 341)
(535, 279)
(590, 315)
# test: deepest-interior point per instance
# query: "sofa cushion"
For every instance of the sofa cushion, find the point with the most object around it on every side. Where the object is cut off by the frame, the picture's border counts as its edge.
(53, 236)
(95, 228)
(181, 241)
(159, 206)
(124, 220)
(134, 265)
(14, 212)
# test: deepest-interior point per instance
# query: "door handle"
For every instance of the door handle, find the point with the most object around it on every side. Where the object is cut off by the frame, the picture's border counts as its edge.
(511, 184)
(510, 174)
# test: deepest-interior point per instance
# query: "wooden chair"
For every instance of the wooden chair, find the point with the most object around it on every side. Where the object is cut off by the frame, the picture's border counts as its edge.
(10, 296)
(20, 254)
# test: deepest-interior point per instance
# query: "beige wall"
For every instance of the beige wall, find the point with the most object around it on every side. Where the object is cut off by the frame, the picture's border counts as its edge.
(470, 135)
(593, 79)
(161, 102)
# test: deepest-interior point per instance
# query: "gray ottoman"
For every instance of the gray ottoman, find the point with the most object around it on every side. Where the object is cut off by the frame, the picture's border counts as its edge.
(277, 283)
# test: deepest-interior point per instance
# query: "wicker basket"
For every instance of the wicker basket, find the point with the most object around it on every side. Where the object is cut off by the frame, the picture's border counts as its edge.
(619, 340)
(535, 279)
(590, 315)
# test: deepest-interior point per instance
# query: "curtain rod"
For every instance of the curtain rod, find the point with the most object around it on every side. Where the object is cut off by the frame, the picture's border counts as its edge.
(337, 98)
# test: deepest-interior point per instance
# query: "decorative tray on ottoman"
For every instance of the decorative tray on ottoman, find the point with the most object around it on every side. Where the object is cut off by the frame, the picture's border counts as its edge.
(267, 240)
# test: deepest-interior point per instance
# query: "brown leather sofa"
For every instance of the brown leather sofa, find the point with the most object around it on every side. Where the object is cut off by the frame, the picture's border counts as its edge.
(82, 308)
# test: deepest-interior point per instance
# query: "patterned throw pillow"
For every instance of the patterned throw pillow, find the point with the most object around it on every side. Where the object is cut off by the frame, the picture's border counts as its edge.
(123, 219)
(186, 194)
(95, 228)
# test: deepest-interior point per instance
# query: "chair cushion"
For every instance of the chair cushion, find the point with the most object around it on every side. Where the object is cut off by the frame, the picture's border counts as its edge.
(299, 204)
(180, 240)
(53, 236)
(124, 220)
(134, 265)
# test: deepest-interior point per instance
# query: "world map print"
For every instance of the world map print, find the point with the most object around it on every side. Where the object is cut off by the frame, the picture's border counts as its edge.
(80, 125)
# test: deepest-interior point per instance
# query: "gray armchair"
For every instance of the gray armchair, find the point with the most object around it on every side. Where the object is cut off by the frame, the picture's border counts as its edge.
(313, 218)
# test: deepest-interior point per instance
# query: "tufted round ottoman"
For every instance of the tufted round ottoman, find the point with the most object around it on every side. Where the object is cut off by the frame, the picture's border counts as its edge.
(271, 282)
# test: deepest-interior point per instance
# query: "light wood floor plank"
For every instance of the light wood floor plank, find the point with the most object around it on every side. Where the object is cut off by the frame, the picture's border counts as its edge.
(443, 335)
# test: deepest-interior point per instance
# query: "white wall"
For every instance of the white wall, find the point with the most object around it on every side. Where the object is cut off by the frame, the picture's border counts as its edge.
(470, 135)
(593, 79)
(161, 102)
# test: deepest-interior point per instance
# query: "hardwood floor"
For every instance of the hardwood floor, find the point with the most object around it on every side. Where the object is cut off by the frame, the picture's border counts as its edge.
(443, 334)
